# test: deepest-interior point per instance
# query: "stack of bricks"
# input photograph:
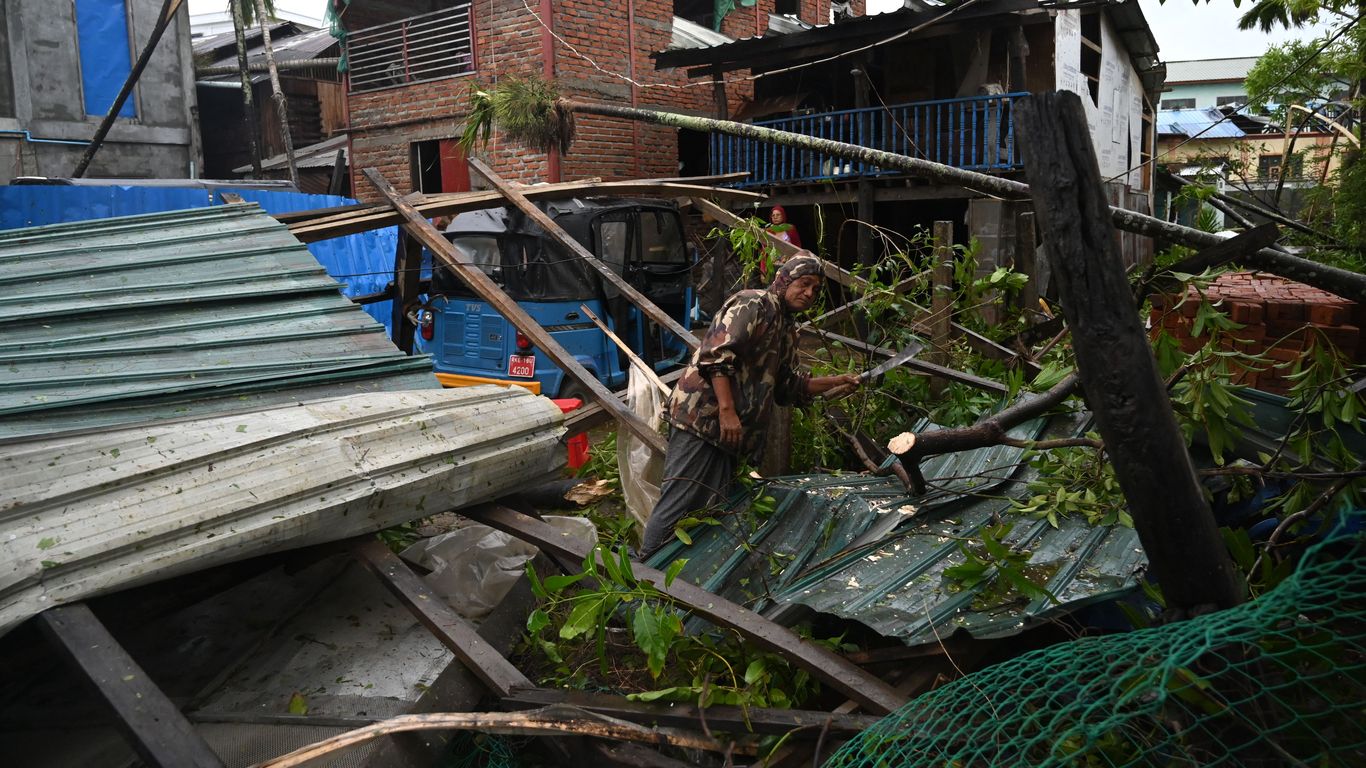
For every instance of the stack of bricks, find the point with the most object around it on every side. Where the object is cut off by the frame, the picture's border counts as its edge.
(1280, 318)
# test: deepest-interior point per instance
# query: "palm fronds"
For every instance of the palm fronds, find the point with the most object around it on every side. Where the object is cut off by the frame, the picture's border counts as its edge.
(526, 109)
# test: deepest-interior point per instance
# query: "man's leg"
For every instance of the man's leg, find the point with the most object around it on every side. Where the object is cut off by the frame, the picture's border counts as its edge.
(697, 475)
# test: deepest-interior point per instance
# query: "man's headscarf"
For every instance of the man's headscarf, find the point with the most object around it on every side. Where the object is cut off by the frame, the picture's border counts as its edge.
(802, 264)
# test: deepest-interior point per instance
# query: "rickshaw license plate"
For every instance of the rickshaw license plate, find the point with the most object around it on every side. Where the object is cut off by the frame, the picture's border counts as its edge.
(522, 365)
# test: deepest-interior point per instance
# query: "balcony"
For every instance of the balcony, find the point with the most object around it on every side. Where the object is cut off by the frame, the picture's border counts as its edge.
(976, 133)
(417, 49)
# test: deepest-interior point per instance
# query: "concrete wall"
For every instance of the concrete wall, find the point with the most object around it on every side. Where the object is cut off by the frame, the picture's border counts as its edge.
(602, 48)
(162, 141)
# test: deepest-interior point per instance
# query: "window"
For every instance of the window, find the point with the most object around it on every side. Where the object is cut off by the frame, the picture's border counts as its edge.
(417, 49)
(1178, 103)
(1091, 53)
(106, 60)
(1269, 167)
(1239, 99)
(661, 240)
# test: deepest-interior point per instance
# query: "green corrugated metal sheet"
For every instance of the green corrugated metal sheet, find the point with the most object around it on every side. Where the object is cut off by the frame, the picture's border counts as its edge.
(177, 314)
(859, 547)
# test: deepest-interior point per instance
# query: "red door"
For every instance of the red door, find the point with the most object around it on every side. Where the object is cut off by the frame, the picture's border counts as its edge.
(455, 173)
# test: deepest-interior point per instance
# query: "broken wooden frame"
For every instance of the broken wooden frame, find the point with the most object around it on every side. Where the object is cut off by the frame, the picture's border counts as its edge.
(557, 233)
(823, 664)
(151, 723)
(326, 223)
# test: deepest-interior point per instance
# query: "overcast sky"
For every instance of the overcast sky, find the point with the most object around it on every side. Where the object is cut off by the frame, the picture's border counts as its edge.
(1184, 30)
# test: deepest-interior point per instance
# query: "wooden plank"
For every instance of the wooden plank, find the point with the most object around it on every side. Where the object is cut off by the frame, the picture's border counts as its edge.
(407, 275)
(1025, 262)
(462, 267)
(823, 664)
(153, 725)
(641, 365)
(914, 364)
(1115, 362)
(325, 223)
(832, 271)
(941, 294)
(450, 628)
(556, 232)
(689, 715)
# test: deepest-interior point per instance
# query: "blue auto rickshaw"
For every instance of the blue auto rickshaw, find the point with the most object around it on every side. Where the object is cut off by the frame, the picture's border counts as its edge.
(642, 240)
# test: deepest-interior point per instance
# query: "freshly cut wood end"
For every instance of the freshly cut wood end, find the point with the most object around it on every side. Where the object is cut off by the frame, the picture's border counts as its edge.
(902, 443)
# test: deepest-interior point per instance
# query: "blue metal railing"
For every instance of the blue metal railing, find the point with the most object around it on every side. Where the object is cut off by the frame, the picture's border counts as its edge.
(976, 133)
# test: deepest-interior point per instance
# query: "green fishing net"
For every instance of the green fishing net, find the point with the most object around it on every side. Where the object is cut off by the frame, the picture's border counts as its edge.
(1280, 680)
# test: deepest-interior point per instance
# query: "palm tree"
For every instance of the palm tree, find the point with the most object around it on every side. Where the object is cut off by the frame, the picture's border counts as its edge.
(243, 13)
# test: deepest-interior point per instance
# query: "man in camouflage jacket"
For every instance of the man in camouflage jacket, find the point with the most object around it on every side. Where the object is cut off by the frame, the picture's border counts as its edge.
(721, 407)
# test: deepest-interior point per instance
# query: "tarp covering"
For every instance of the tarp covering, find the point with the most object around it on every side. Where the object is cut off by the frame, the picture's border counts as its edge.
(102, 33)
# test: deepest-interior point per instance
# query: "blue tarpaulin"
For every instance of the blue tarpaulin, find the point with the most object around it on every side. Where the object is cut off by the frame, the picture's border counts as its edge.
(363, 262)
(106, 60)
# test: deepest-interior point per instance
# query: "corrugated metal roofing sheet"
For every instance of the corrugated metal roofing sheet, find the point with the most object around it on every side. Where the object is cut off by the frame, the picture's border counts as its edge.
(1205, 70)
(859, 547)
(363, 262)
(1207, 123)
(177, 314)
(690, 34)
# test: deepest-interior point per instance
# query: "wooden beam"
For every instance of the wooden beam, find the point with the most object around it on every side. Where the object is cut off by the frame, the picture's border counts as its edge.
(556, 232)
(803, 723)
(832, 271)
(325, 223)
(823, 664)
(641, 365)
(153, 725)
(450, 628)
(1115, 361)
(462, 267)
(407, 275)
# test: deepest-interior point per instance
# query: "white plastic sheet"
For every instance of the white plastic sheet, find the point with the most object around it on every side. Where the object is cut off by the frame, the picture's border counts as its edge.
(474, 568)
(640, 466)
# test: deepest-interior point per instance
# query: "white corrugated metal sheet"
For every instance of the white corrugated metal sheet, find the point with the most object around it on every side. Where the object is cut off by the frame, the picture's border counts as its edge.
(1208, 70)
(88, 512)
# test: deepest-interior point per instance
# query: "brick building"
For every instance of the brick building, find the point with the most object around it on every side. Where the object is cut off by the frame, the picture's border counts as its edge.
(412, 64)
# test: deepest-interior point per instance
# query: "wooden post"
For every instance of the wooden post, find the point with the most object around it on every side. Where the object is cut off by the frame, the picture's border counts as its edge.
(718, 95)
(643, 303)
(464, 269)
(1024, 261)
(1114, 361)
(941, 297)
(407, 276)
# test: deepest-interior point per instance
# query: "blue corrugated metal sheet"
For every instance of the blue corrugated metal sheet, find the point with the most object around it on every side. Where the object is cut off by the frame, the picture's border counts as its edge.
(859, 547)
(363, 263)
(177, 314)
(1191, 122)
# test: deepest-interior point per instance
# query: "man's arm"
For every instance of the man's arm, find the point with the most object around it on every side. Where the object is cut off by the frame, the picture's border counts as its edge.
(820, 385)
(731, 431)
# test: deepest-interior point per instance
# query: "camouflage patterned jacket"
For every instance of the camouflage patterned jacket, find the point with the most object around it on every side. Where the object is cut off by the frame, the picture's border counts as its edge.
(753, 340)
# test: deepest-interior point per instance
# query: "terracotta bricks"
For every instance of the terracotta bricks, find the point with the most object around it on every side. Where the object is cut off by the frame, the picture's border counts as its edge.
(1279, 317)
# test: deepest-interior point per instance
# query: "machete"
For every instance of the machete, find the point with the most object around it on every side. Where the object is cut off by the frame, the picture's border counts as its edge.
(909, 352)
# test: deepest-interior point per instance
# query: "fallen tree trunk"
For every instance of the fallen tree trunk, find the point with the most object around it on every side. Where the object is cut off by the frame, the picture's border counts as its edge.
(1341, 282)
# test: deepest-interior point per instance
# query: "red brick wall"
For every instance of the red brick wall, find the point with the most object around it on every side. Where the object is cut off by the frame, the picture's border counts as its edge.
(1279, 317)
(385, 123)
